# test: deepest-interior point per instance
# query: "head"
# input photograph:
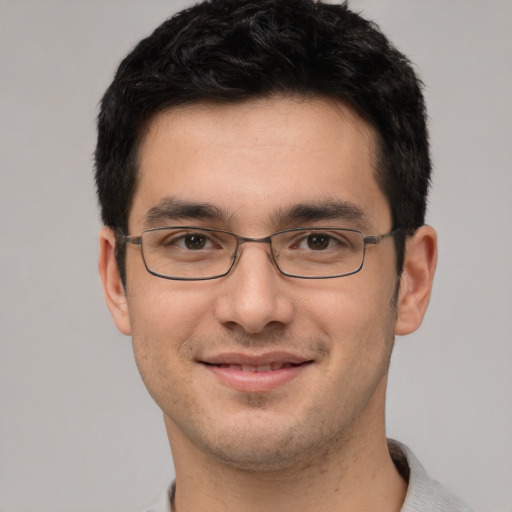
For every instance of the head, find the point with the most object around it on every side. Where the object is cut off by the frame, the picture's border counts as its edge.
(234, 50)
(255, 117)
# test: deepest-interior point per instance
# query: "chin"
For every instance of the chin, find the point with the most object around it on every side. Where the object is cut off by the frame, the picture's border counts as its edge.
(267, 445)
(255, 457)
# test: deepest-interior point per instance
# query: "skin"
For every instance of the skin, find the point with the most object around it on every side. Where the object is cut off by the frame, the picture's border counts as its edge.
(316, 441)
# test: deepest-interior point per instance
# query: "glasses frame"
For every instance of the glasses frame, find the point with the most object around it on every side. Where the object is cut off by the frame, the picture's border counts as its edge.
(367, 240)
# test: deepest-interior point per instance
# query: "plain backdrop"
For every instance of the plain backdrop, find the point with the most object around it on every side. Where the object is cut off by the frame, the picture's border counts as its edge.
(78, 431)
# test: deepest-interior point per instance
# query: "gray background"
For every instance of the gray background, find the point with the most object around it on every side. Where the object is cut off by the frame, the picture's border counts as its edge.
(77, 429)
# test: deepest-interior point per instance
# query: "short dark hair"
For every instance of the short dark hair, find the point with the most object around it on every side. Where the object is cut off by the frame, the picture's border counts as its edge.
(234, 50)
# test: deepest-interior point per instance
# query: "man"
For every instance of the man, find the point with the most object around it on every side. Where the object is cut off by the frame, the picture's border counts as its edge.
(262, 168)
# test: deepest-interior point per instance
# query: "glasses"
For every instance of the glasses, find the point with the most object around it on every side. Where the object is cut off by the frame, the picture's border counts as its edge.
(189, 253)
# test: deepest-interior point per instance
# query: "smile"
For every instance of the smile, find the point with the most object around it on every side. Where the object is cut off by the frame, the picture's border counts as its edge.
(260, 368)
(256, 374)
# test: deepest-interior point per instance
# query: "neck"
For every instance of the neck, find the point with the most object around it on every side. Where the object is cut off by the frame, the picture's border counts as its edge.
(357, 475)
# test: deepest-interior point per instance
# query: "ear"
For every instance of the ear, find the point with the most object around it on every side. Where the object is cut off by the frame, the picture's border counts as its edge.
(416, 279)
(113, 288)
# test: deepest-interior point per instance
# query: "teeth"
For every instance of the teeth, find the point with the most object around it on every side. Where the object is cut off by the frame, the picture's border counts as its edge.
(260, 368)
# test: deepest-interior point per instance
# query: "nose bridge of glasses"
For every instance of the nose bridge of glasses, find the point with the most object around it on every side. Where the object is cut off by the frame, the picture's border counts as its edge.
(245, 239)
(241, 240)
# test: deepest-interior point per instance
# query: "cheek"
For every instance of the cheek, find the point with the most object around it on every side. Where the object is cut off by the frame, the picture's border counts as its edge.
(162, 324)
(168, 309)
(353, 304)
(164, 318)
(359, 323)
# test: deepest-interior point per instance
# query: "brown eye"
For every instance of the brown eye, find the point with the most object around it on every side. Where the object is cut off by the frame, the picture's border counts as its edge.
(318, 241)
(195, 242)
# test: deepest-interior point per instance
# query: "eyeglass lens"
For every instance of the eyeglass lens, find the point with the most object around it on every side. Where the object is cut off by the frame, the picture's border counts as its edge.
(196, 253)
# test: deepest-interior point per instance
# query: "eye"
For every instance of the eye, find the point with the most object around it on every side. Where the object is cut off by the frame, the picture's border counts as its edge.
(321, 241)
(331, 242)
(195, 241)
(318, 241)
(191, 241)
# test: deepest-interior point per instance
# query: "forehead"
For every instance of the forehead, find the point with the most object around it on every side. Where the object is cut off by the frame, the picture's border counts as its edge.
(251, 159)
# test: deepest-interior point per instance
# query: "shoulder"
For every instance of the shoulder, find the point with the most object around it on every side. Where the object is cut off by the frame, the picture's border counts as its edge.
(423, 493)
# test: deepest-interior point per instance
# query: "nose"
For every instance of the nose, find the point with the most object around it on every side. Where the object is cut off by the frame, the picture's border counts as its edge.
(254, 294)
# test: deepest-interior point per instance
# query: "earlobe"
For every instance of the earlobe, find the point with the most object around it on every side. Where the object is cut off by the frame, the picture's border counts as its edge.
(113, 288)
(416, 279)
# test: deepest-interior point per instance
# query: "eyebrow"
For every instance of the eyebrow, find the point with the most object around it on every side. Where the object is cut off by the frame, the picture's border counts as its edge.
(322, 211)
(172, 209)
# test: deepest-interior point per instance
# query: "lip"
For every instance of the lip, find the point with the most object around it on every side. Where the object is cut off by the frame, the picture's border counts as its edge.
(256, 373)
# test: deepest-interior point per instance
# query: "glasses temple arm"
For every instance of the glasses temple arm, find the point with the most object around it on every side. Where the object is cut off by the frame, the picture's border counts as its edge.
(127, 239)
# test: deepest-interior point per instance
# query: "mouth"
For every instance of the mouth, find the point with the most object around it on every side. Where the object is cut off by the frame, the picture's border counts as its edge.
(272, 367)
(252, 374)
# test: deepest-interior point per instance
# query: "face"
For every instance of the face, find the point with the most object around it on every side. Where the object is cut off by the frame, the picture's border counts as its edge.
(256, 369)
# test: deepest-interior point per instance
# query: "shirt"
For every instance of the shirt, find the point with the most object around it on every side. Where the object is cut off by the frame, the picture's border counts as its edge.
(423, 493)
